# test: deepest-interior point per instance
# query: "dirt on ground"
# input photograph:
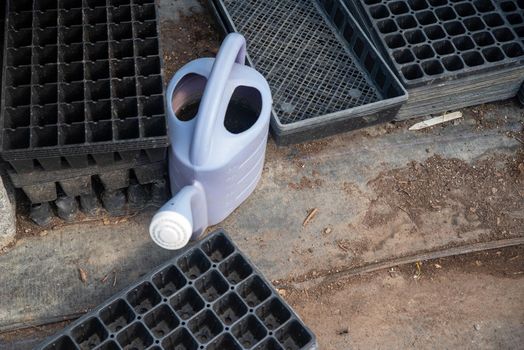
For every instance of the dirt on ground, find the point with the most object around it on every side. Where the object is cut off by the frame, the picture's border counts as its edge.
(473, 301)
(489, 191)
(25, 227)
(193, 36)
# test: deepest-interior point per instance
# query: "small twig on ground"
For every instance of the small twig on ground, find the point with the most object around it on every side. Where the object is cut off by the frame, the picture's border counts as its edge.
(343, 246)
(82, 274)
(404, 210)
(104, 279)
(310, 216)
(418, 273)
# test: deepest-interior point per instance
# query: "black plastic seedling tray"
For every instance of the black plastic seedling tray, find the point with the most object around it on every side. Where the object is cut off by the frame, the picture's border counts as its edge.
(41, 175)
(81, 161)
(120, 202)
(45, 186)
(2, 28)
(432, 41)
(81, 77)
(209, 296)
(324, 73)
(513, 10)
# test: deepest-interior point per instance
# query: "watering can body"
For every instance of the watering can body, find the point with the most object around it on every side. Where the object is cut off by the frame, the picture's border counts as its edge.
(212, 169)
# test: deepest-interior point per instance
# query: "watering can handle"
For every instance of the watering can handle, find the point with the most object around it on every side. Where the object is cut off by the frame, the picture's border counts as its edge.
(233, 50)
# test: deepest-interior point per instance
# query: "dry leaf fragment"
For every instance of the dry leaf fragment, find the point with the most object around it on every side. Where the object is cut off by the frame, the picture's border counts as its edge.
(82, 274)
(344, 246)
(104, 279)
(418, 273)
(310, 216)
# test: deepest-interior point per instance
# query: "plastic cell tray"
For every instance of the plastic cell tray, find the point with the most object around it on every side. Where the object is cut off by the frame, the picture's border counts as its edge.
(65, 163)
(431, 41)
(120, 202)
(324, 74)
(513, 10)
(81, 77)
(45, 186)
(209, 296)
(2, 27)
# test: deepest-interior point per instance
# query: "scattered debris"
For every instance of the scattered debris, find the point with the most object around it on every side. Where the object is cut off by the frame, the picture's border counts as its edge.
(438, 266)
(282, 292)
(477, 327)
(343, 245)
(195, 33)
(310, 216)
(114, 280)
(435, 121)
(104, 279)
(327, 230)
(453, 186)
(343, 331)
(306, 183)
(418, 273)
(82, 274)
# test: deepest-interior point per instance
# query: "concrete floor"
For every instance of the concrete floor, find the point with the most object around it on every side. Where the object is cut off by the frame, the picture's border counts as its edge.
(39, 274)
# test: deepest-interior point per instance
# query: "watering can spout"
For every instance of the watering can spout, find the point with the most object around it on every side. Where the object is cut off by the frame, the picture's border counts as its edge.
(232, 51)
(174, 224)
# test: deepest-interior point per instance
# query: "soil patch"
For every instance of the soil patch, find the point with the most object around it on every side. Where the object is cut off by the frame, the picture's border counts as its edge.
(489, 191)
(470, 301)
(192, 37)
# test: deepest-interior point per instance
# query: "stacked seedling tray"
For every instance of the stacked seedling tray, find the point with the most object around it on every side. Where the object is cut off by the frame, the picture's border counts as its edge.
(82, 92)
(513, 10)
(2, 27)
(209, 296)
(122, 188)
(448, 54)
(324, 74)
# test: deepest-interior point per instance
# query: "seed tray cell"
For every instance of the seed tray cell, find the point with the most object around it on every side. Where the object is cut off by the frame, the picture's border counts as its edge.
(120, 202)
(325, 75)
(513, 11)
(83, 185)
(167, 309)
(431, 41)
(91, 60)
(112, 176)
